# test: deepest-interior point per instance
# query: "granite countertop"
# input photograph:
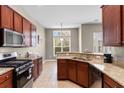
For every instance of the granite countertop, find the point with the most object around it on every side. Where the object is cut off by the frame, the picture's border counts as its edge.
(81, 53)
(113, 71)
(29, 58)
(5, 70)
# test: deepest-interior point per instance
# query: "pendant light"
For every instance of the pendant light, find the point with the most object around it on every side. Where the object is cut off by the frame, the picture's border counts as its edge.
(61, 31)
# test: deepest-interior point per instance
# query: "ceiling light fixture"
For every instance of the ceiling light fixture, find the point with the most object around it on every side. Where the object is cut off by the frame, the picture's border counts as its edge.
(61, 32)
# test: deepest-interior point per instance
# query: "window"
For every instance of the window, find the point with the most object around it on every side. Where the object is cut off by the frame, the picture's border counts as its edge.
(98, 43)
(61, 41)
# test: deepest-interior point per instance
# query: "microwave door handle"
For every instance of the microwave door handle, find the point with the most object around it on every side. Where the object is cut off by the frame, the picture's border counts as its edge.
(23, 39)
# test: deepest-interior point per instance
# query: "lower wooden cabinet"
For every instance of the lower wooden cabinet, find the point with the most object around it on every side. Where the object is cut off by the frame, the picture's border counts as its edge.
(72, 70)
(107, 82)
(83, 74)
(6, 80)
(40, 66)
(62, 69)
(37, 68)
(7, 84)
(79, 72)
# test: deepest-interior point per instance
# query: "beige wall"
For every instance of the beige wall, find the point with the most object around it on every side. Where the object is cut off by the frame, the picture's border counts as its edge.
(87, 35)
(40, 48)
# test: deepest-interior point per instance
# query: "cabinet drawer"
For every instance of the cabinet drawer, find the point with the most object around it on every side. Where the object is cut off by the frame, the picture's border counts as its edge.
(111, 82)
(5, 76)
(6, 84)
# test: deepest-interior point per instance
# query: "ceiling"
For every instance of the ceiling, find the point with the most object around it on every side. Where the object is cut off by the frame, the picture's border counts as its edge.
(50, 16)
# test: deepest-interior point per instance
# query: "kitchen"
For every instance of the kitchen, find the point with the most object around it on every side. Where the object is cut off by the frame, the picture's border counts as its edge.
(32, 56)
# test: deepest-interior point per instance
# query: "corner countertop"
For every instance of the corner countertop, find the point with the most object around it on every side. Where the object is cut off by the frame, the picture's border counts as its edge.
(113, 71)
(5, 70)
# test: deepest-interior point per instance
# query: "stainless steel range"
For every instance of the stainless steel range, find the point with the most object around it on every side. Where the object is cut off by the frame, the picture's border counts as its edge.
(22, 69)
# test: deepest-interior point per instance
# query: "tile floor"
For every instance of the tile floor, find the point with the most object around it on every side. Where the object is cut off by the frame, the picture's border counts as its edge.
(48, 78)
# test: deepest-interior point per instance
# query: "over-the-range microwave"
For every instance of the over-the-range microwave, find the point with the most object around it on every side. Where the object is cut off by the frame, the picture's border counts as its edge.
(10, 38)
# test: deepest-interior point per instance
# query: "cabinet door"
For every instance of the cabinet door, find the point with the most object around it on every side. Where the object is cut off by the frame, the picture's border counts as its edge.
(107, 81)
(106, 85)
(6, 17)
(35, 69)
(17, 22)
(91, 75)
(82, 74)
(7, 84)
(27, 32)
(33, 35)
(111, 25)
(40, 66)
(72, 66)
(61, 69)
(123, 24)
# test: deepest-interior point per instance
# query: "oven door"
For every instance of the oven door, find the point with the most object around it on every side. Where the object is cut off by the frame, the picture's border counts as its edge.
(24, 78)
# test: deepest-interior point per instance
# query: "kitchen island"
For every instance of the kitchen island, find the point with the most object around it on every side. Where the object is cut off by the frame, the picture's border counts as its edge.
(78, 71)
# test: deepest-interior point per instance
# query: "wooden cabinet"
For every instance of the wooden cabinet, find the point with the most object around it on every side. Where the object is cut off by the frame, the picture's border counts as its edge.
(6, 80)
(33, 35)
(72, 70)
(37, 69)
(123, 24)
(111, 15)
(27, 32)
(91, 75)
(6, 20)
(62, 68)
(40, 66)
(107, 82)
(10, 19)
(83, 74)
(17, 22)
(94, 75)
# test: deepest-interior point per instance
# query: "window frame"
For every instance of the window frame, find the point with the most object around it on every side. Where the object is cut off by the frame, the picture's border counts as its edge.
(64, 36)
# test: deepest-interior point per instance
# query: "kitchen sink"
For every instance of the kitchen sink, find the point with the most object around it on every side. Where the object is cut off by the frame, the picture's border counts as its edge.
(85, 59)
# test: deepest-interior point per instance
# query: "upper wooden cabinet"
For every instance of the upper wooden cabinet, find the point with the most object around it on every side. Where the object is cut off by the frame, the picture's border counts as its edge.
(6, 20)
(123, 24)
(111, 15)
(33, 35)
(17, 22)
(27, 32)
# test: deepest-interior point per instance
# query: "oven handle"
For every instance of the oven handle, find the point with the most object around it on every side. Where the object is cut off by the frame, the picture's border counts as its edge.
(18, 73)
(29, 77)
